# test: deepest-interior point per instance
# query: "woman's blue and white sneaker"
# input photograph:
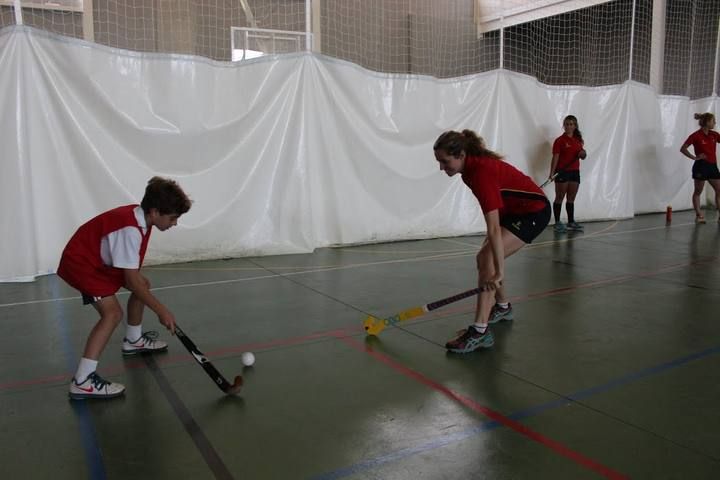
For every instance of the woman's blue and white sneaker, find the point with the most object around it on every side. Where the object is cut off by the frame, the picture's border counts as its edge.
(147, 343)
(499, 313)
(94, 386)
(575, 227)
(469, 340)
(560, 227)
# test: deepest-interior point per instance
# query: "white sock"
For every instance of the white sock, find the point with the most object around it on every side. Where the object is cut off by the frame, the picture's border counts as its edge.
(480, 328)
(85, 368)
(133, 333)
(503, 305)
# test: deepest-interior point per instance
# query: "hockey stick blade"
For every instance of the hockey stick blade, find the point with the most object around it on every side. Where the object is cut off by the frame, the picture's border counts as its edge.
(213, 373)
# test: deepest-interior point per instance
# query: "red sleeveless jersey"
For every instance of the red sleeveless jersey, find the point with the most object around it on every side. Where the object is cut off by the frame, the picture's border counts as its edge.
(81, 265)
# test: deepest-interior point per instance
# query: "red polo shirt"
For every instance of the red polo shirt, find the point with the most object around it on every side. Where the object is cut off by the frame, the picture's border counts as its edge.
(499, 186)
(704, 144)
(567, 148)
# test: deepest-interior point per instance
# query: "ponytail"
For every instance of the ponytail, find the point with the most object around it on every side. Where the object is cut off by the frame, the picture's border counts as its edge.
(454, 143)
(704, 118)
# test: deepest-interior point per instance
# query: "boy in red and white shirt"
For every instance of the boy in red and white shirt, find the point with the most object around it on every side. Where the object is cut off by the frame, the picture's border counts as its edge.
(106, 253)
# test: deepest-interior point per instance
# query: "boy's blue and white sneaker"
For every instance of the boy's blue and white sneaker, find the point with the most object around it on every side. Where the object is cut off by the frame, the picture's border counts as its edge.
(499, 313)
(559, 227)
(469, 340)
(575, 227)
(94, 386)
(147, 343)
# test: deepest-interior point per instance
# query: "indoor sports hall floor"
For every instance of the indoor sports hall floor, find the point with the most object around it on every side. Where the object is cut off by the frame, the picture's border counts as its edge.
(610, 369)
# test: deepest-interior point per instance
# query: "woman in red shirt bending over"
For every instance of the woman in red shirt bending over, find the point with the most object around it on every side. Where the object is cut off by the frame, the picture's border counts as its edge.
(705, 166)
(515, 210)
(568, 150)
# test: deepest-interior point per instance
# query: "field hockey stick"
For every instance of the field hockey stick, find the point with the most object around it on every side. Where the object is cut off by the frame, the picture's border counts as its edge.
(374, 325)
(552, 177)
(557, 172)
(209, 368)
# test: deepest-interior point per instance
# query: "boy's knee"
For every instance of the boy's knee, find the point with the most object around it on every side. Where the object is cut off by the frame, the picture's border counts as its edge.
(114, 315)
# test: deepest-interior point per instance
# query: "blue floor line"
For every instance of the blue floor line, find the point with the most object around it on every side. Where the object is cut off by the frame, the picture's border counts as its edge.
(519, 415)
(88, 437)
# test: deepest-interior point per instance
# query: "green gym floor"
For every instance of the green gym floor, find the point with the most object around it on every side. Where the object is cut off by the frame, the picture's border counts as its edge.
(611, 367)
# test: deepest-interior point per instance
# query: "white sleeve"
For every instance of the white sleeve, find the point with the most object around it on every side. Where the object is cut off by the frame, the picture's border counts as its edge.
(124, 247)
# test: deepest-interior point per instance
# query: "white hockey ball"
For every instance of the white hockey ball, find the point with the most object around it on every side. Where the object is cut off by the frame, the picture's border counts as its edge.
(248, 359)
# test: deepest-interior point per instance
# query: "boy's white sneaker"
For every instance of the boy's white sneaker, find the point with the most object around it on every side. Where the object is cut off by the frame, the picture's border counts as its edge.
(94, 386)
(147, 342)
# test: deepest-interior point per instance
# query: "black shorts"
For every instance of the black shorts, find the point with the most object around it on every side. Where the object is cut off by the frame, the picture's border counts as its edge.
(527, 227)
(90, 299)
(571, 176)
(703, 170)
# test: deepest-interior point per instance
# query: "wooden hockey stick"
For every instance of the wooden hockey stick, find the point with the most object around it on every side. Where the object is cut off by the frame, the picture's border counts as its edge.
(374, 325)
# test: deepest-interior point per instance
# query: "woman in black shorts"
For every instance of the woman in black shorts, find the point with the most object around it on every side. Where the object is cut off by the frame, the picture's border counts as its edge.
(516, 211)
(705, 168)
(568, 150)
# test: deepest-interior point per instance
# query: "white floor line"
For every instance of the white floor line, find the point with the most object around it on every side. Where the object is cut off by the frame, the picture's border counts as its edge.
(458, 254)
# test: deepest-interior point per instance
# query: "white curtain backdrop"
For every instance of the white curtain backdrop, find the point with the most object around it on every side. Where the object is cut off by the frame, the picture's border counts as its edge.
(287, 154)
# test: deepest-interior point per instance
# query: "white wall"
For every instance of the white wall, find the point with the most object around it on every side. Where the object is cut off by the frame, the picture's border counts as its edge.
(287, 155)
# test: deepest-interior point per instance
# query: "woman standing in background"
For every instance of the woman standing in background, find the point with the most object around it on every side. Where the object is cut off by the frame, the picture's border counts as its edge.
(705, 168)
(568, 150)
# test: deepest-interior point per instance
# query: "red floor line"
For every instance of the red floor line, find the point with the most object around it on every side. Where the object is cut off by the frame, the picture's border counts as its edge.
(254, 347)
(182, 358)
(131, 364)
(34, 381)
(554, 445)
(572, 288)
(534, 296)
(284, 342)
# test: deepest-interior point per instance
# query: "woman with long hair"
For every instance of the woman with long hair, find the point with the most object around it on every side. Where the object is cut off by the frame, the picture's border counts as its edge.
(568, 150)
(516, 211)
